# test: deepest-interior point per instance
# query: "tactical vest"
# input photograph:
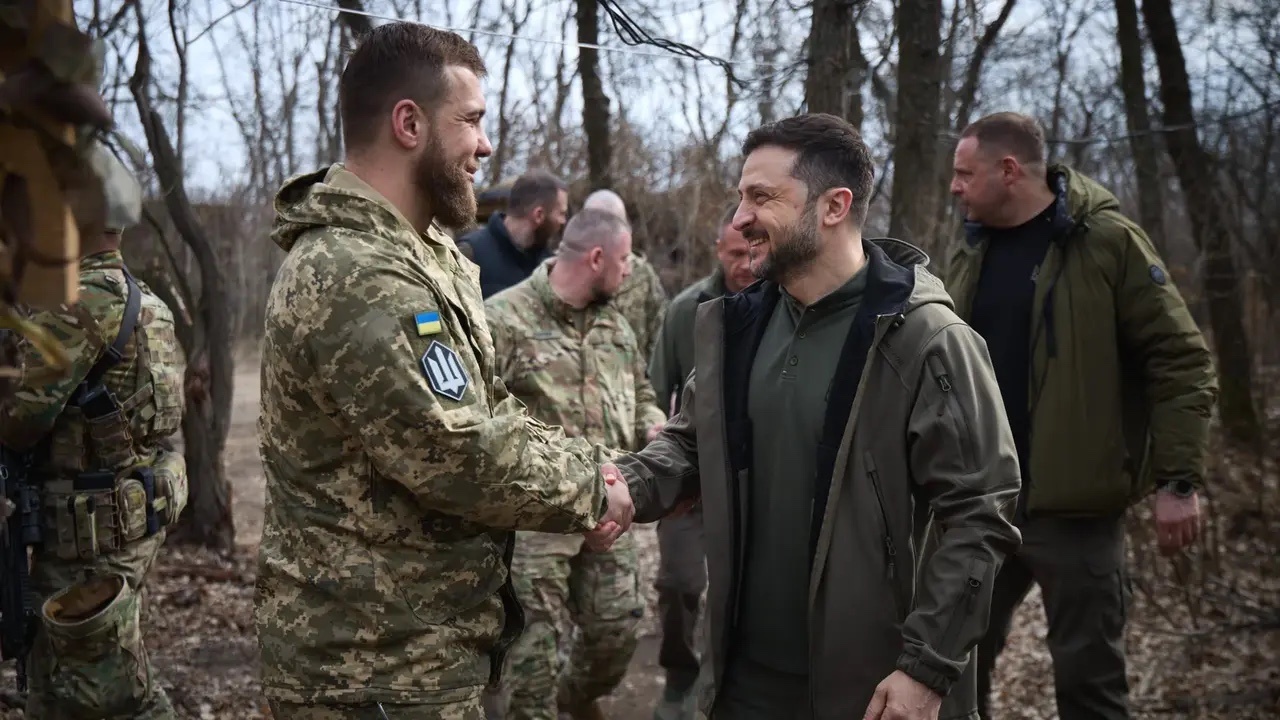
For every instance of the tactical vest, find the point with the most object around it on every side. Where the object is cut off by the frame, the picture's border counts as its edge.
(107, 482)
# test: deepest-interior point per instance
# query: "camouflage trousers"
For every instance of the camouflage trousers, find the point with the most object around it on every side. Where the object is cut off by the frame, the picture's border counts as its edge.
(89, 660)
(553, 574)
(373, 711)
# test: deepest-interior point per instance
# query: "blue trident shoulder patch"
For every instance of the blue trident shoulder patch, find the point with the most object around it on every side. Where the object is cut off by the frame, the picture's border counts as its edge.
(444, 371)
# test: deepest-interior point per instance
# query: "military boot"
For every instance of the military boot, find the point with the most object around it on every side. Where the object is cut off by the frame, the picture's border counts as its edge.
(578, 710)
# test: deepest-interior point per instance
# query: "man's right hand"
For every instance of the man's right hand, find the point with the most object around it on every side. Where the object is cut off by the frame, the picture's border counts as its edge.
(617, 519)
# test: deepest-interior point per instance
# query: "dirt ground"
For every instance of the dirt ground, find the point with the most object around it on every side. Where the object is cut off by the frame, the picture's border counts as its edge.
(1202, 650)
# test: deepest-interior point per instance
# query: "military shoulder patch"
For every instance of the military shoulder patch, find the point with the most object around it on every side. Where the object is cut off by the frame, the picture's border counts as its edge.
(1157, 275)
(428, 323)
(444, 371)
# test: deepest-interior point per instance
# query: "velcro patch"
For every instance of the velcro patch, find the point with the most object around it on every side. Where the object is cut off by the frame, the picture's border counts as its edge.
(1157, 275)
(444, 371)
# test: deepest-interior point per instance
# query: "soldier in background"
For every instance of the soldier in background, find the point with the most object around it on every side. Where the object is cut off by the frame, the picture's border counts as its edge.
(568, 353)
(512, 244)
(642, 300)
(682, 572)
(397, 467)
(98, 440)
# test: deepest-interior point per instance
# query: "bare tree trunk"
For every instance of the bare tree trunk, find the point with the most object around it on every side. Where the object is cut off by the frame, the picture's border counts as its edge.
(1199, 187)
(207, 421)
(595, 104)
(832, 34)
(1138, 121)
(917, 122)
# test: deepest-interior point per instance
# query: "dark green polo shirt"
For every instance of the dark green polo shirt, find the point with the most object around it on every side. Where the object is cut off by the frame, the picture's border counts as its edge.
(791, 377)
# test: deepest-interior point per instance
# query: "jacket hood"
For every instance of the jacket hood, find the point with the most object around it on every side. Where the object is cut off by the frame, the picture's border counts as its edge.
(905, 267)
(315, 200)
(1078, 199)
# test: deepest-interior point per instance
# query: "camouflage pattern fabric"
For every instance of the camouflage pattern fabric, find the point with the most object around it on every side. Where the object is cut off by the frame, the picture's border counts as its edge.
(98, 668)
(397, 467)
(148, 382)
(372, 711)
(75, 673)
(50, 197)
(643, 302)
(601, 594)
(580, 370)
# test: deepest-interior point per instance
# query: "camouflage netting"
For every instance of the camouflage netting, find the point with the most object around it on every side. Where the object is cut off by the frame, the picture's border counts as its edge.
(50, 196)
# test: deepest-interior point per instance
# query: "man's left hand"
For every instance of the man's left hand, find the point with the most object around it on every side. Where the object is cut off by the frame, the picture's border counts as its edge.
(901, 697)
(1177, 520)
(653, 432)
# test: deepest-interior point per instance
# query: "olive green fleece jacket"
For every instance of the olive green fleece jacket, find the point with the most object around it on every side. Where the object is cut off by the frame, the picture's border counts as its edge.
(1122, 384)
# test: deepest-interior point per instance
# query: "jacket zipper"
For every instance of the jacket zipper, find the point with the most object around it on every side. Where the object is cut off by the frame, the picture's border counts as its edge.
(890, 551)
(943, 380)
(962, 609)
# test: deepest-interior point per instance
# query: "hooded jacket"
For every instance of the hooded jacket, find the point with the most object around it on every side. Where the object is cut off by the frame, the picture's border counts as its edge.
(397, 467)
(917, 474)
(1122, 384)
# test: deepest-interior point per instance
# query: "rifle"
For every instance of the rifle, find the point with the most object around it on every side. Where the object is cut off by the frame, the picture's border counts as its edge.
(20, 507)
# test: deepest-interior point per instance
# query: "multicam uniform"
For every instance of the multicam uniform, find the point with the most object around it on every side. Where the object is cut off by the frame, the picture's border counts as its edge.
(109, 490)
(397, 468)
(580, 370)
(642, 301)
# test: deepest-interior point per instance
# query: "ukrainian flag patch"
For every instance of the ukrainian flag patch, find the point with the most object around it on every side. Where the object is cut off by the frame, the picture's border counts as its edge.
(428, 322)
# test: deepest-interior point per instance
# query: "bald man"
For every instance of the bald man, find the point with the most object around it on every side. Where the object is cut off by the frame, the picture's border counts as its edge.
(568, 354)
(642, 300)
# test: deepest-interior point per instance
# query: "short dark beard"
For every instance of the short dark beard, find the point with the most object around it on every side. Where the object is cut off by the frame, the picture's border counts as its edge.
(541, 236)
(448, 189)
(794, 252)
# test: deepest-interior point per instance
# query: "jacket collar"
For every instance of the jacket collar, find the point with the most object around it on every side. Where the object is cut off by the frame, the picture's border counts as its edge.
(1063, 221)
(559, 310)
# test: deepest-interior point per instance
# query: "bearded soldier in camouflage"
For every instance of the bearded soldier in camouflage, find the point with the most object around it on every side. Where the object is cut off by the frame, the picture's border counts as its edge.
(397, 467)
(641, 299)
(567, 353)
(97, 439)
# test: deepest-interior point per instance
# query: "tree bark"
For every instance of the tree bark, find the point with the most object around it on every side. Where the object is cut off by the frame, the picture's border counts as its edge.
(830, 86)
(208, 518)
(1142, 143)
(595, 104)
(917, 123)
(1209, 226)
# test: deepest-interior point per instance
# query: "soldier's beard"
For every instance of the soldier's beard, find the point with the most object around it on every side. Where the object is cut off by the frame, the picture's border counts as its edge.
(542, 235)
(447, 187)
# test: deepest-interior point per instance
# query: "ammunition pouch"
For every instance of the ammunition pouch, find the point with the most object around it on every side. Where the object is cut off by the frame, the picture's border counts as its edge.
(100, 666)
(99, 513)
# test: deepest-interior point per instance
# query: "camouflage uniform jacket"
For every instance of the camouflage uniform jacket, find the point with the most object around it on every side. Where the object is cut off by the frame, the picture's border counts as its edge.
(578, 369)
(642, 301)
(397, 468)
(147, 382)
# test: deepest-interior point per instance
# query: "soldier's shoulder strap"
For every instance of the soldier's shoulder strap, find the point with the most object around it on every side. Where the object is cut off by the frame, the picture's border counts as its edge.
(115, 353)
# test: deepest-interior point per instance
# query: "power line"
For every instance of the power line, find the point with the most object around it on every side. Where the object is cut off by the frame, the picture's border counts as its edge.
(1108, 139)
(673, 54)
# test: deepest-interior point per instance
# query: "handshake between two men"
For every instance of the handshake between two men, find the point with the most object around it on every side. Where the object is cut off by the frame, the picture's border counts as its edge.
(617, 519)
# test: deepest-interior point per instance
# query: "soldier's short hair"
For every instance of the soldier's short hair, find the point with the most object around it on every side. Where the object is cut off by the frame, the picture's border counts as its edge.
(398, 61)
(829, 153)
(1009, 133)
(591, 228)
(532, 190)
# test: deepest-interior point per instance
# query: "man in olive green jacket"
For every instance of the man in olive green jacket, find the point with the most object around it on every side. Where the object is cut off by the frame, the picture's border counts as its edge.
(844, 432)
(682, 567)
(1108, 386)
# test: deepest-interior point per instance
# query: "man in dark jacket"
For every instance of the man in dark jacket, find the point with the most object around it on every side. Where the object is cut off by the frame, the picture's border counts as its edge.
(845, 434)
(1107, 383)
(512, 244)
(682, 572)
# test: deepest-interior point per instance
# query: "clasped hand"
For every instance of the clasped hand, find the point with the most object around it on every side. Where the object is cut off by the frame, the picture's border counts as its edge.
(617, 519)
